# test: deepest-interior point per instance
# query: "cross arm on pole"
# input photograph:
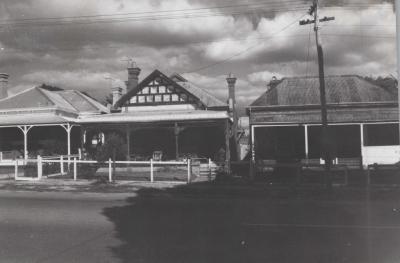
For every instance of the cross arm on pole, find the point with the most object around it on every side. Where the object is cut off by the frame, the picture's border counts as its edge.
(312, 21)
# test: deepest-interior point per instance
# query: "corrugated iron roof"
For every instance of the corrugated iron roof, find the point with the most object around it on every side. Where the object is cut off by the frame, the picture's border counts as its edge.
(204, 96)
(66, 100)
(298, 91)
(30, 98)
(81, 102)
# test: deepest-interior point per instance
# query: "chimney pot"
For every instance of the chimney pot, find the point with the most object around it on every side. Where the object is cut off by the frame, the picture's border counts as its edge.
(3, 85)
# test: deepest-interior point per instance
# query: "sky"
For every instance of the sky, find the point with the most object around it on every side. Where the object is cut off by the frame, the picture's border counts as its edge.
(79, 44)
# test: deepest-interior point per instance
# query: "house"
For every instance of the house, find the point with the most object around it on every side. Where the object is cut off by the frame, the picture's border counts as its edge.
(37, 118)
(363, 119)
(165, 114)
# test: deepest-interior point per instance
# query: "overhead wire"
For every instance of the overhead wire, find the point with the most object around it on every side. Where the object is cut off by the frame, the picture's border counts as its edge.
(262, 3)
(243, 51)
(156, 16)
(308, 49)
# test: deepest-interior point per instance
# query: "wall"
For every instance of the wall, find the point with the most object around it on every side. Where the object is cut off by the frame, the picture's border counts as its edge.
(381, 154)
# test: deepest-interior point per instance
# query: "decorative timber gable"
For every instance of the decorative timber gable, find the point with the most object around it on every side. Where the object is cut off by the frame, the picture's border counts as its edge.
(158, 89)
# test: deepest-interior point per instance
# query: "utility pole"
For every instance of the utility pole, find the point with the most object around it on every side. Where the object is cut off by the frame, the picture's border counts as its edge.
(324, 114)
(397, 10)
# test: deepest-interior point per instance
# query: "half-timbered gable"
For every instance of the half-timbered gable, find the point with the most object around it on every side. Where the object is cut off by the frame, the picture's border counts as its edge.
(159, 90)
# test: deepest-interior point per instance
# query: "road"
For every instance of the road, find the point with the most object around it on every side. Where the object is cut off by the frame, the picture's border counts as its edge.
(169, 225)
(56, 227)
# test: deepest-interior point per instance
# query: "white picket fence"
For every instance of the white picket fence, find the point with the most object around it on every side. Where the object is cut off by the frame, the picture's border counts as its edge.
(70, 164)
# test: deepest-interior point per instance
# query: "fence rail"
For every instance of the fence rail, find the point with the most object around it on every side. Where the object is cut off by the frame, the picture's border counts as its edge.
(73, 168)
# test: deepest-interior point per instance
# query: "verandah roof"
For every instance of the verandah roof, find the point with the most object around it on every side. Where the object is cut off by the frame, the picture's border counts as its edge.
(155, 116)
(33, 119)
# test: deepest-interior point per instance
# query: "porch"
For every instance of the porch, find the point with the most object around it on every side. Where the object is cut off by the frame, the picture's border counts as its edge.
(355, 145)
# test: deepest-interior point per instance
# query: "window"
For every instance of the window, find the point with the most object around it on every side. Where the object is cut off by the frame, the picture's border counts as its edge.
(145, 90)
(149, 99)
(153, 90)
(381, 134)
(157, 98)
(134, 99)
(174, 97)
(183, 97)
(166, 98)
(141, 99)
(161, 89)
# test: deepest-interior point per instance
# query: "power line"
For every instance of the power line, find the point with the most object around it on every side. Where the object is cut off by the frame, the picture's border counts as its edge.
(142, 19)
(113, 19)
(308, 50)
(263, 3)
(243, 51)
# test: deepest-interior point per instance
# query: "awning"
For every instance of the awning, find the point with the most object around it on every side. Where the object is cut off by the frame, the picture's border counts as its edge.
(33, 119)
(153, 116)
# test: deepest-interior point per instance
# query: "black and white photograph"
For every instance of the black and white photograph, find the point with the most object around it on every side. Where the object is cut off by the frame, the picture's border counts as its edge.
(199, 131)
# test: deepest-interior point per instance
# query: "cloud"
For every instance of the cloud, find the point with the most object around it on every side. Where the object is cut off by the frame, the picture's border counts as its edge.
(254, 45)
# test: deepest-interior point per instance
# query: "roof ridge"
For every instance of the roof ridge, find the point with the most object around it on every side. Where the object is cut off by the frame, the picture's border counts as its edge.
(45, 92)
(19, 93)
(88, 99)
(328, 76)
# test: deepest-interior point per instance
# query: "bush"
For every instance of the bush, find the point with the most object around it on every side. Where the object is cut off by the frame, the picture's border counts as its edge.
(114, 147)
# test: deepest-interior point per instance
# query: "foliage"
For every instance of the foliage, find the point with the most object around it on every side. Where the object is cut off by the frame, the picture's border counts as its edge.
(114, 147)
(50, 87)
(53, 147)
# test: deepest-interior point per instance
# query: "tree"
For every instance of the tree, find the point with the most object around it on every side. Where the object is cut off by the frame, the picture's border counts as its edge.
(114, 147)
(50, 87)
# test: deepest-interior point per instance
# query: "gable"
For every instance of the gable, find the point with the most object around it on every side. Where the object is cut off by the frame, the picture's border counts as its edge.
(158, 89)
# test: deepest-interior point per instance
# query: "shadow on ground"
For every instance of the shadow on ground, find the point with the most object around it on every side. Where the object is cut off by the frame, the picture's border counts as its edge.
(196, 224)
(171, 226)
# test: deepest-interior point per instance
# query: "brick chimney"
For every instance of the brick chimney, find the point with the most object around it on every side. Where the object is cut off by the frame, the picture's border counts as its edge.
(273, 83)
(3, 85)
(116, 94)
(133, 77)
(231, 79)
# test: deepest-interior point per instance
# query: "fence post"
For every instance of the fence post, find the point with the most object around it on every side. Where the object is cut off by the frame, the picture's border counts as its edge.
(80, 153)
(209, 168)
(39, 167)
(151, 170)
(189, 168)
(1, 156)
(109, 170)
(75, 169)
(16, 169)
(62, 164)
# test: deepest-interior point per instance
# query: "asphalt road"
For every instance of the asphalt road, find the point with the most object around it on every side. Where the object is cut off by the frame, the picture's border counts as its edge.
(56, 227)
(169, 225)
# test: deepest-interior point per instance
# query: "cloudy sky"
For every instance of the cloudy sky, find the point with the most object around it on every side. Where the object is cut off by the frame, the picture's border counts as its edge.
(76, 44)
